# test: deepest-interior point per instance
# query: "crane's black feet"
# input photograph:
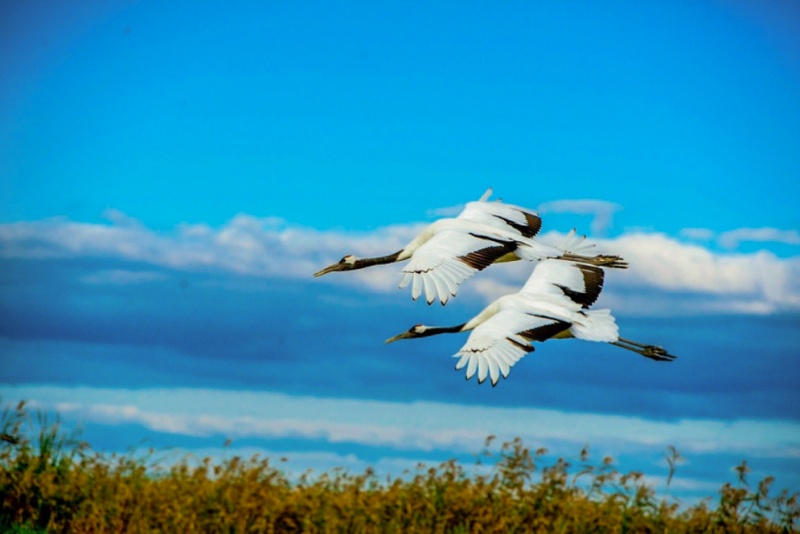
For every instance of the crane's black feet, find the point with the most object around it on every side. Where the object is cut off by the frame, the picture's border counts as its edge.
(656, 353)
(613, 262)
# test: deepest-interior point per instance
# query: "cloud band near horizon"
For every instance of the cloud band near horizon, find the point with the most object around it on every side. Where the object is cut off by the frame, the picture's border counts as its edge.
(662, 266)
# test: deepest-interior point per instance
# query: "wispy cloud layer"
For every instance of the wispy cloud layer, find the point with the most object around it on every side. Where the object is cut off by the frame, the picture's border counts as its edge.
(733, 238)
(245, 245)
(422, 426)
(667, 275)
(758, 282)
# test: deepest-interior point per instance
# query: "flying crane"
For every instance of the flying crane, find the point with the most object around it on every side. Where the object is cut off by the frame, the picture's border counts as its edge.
(553, 304)
(451, 250)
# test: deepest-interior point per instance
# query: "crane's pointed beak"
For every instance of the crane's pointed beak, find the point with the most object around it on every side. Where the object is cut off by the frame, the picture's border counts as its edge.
(404, 335)
(328, 269)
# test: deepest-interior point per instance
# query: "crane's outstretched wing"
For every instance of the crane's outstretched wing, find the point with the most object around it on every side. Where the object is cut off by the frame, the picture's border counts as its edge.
(501, 341)
(504, 217)
(581, 283)
(447, 259)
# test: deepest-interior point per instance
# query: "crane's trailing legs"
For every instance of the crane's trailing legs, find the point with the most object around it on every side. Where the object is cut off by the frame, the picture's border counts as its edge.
(648, 351)
(613, 262)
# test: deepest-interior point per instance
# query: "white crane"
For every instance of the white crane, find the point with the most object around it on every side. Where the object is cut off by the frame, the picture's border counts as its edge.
(553, 304)
(451, 250)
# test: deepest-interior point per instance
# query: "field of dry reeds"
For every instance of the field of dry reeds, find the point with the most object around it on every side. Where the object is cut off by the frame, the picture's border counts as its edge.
(52, 482)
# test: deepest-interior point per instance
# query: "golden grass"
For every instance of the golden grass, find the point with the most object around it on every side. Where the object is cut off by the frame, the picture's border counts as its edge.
(50, 481)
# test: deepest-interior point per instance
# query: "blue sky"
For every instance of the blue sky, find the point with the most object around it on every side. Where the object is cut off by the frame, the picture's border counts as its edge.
(173, 174)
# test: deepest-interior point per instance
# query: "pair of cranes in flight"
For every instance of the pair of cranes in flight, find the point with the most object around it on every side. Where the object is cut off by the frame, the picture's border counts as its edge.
(554, 303)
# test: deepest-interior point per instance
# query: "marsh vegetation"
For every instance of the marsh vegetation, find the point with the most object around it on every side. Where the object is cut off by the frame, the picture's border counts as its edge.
(50, 481)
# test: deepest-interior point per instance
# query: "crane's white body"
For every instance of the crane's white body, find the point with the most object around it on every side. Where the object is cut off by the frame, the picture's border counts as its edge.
(553, 303)
(449, 251)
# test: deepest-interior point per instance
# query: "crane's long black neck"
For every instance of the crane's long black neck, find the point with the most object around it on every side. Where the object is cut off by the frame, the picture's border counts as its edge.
(434, 330)
(380, 260)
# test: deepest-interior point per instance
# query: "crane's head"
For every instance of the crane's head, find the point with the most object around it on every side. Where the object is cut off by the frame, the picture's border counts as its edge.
(345, 264)
(418, 330)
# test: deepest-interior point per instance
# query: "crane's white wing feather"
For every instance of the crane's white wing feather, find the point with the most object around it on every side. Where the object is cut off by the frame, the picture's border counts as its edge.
(595, 325)
(448, 258)
(576, 244)
(504, 217)
(581, 283)
(501, 341)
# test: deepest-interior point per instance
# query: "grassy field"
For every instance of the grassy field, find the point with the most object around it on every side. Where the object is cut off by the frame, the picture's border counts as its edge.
(52, 482)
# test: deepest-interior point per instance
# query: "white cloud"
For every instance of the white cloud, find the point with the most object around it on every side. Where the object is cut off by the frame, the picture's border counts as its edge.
(666, 275)
(602, 210)
(698, 234)
(245, 245)
(420, 426)
(733, 238)
(758, 281)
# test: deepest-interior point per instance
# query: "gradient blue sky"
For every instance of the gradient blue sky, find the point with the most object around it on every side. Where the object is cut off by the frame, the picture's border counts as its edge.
(172, 174)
